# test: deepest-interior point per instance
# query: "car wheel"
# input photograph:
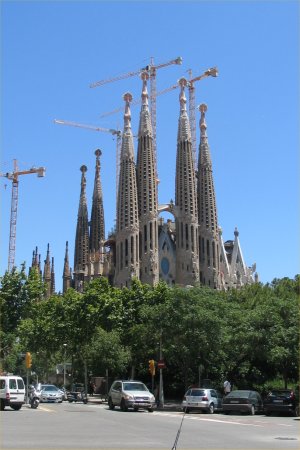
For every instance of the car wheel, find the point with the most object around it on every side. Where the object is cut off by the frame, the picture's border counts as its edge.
(267, 413)
(211, 408)
(226, 412)
(297, 412)
(187, 410)
(110, 403)
(150, 410)
(16, 407)
(252, 410)
(2, 406)
(123, 405)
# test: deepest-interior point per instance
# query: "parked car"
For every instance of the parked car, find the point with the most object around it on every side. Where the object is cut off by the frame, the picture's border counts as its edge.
(12, 392)
(282, 400)
(50, 393)
(246, 401)
(130, 394)
(208, 400)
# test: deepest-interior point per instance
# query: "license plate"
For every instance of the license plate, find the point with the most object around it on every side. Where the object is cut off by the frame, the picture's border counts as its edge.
(234, 401)
(278, 401)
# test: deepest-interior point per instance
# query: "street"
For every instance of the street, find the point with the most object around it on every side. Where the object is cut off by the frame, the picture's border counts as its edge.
(91, 426)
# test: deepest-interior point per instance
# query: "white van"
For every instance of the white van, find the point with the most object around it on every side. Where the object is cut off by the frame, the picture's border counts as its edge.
(12, 392)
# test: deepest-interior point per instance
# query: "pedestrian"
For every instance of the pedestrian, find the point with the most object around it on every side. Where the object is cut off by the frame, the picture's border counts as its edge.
(227, 387)
(92, 388)
(156, 395)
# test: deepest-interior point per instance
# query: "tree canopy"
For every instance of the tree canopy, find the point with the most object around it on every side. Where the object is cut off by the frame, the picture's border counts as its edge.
(250, 335)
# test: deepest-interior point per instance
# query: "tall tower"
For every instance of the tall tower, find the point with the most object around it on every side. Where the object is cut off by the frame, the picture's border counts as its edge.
(147, 194)
(47, 274)
(127, 230)
(186, 221)
(97, 227)
(52, 276)
(82, 236)
(208, 222)
(67, 276)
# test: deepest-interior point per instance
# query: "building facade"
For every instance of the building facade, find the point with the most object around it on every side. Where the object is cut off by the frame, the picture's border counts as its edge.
(187, 250)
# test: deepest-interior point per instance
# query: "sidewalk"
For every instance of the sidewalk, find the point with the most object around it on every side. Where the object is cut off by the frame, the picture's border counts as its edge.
(169, 405)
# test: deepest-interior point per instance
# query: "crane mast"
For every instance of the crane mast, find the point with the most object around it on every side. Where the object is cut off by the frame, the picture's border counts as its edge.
(14, 177)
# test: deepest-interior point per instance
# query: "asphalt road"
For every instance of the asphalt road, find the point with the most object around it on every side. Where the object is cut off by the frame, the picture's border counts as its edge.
(94, 426)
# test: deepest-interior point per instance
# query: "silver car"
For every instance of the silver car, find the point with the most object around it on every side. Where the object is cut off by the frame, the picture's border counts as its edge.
(130, 394)
(208, 400)
(50, 393)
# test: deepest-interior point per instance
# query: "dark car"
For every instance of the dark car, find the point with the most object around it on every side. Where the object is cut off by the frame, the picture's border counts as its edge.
(245, 401)
(282, 400)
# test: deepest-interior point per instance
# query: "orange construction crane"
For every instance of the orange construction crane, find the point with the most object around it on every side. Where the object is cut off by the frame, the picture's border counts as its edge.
(213, 72)
(151, 69)
(14, 177)
(116, 133)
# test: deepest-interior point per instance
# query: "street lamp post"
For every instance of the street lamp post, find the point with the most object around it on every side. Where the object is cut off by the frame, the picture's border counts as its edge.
(65, 351)
(161, 384)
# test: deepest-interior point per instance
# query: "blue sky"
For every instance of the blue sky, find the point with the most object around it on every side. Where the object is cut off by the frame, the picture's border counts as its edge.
(52, 51)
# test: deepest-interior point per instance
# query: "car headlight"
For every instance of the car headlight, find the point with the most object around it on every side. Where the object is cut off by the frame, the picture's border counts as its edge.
(152, 398)
(128, 397)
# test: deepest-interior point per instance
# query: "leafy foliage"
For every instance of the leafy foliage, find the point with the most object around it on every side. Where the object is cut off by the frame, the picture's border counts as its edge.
(250, 336)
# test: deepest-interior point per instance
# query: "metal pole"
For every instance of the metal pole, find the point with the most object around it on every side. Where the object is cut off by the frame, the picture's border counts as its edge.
(65, 345)
(161, 384)
(27, 386)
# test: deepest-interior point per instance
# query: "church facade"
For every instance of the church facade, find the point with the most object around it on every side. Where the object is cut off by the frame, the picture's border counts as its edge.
(187, 250)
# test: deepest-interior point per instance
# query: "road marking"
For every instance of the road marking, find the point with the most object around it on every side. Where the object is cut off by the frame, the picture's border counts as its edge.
(210, 420)
(43, 408)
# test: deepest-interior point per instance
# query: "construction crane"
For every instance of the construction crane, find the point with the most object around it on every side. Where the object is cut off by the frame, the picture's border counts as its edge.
(116, 133)
(138, 102)
(213, 72)
(151, 69)
(14, 177)
(192, 106)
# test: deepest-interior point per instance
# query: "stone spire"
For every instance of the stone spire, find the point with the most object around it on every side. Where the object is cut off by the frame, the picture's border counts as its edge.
(208, 222)
(52, 277)
(147, 194)
(127, 232)
(82, 236)
(187, 261)
(97, 229)
(67, 277)
(47, 274)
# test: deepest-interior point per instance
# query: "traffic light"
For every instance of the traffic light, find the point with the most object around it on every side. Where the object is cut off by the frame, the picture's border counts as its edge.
(28, 360)
(152, 367)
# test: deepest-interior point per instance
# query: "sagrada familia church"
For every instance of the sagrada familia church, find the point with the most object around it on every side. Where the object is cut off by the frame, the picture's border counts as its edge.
(186, 251)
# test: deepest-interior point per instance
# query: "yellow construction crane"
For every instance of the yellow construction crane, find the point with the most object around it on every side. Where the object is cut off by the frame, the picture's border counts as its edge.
(14, 177)
(151, 69)
(116, 133)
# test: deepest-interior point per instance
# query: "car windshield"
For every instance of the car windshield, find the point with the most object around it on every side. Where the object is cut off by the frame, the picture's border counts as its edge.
(280, 393)
(134, 387)
(195, 392)
(239, 394)
(49, 388)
